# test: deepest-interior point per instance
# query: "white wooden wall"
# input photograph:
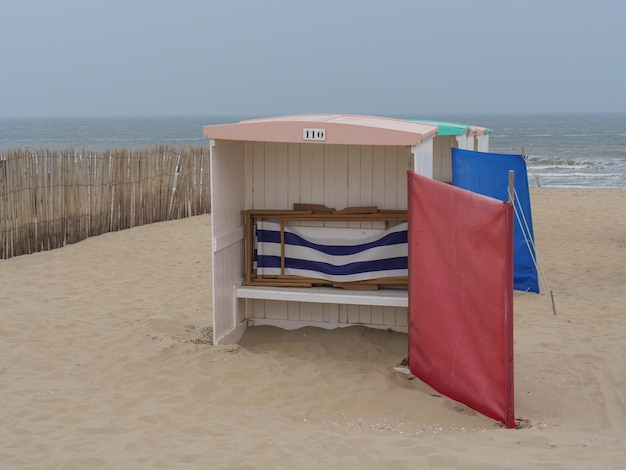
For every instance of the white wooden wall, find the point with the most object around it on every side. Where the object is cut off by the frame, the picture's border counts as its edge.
(465, 142)
(422, 159)
(477, 143)
(482, 143)
(266, 175)
(279, 175)
(227, 204)
(442, 157)
(338, 176)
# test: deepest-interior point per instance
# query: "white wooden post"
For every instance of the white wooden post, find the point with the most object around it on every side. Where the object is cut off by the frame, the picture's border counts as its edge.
(423, 158)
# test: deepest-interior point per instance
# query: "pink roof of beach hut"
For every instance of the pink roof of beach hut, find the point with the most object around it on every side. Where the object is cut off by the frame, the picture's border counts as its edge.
(333, 160)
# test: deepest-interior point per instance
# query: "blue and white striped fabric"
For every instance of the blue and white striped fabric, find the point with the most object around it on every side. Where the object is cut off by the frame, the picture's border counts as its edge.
(309, 254)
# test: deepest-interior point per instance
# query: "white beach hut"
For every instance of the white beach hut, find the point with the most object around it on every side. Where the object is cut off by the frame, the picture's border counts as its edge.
(313, 170)
(454, 135)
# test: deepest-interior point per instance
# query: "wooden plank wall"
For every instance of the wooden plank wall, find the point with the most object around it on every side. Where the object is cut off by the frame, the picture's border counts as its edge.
(482, 143)
(228, 193)
(422, 160)
(442, 157)
(338, 176)
(465, 142)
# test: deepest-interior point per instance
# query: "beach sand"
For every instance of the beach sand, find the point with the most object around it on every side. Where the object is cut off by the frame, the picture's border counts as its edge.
(106, 362)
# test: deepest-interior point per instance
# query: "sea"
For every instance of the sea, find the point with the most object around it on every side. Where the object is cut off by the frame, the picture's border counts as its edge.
(561, 150)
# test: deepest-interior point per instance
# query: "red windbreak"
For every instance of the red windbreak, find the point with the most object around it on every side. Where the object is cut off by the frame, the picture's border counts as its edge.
(461, 295)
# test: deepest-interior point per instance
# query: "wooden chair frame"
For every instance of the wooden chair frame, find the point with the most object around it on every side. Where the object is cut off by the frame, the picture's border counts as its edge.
(315, 213)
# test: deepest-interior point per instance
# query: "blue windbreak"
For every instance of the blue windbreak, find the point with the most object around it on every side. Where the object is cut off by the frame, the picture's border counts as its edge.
(488, 174)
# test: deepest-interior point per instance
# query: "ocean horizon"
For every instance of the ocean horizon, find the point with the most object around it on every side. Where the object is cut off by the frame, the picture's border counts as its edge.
(563, 150)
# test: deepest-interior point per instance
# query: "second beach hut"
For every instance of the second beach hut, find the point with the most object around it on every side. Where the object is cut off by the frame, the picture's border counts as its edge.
(454, 135)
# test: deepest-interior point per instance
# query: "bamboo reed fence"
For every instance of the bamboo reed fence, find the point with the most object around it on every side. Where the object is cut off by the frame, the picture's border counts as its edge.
(53, 197)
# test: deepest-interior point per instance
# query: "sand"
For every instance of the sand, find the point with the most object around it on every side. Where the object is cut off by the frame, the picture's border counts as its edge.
(106, 362)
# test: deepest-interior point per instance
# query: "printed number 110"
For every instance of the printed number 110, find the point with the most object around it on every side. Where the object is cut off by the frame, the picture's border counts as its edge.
(313, 134)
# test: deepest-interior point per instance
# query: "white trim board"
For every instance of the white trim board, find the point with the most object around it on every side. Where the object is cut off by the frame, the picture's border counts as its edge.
(327, 295)
(294, 325)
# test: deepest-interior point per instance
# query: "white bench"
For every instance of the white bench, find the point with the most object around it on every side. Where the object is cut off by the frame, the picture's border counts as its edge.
(380, 297)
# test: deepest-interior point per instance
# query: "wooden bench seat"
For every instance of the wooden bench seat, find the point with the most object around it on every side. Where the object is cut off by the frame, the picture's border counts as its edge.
(380, 297)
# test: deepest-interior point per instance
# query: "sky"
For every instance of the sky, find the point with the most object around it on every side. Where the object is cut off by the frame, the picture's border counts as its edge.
(101, 58)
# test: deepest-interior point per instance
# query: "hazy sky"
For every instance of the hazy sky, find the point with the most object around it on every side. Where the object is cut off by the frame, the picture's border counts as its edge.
(255, 57)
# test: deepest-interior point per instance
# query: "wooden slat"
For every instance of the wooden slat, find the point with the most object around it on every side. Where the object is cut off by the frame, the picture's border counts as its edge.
(329, 176)
(358, 210)
(313, 208)
(317, 173)
(390, 298)
(271, 176)
(354, 181)
(249, 231)
(282, 247)
(379, 217)
(391, 178)
(341, 179)
(293, 178)
(306, 177)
